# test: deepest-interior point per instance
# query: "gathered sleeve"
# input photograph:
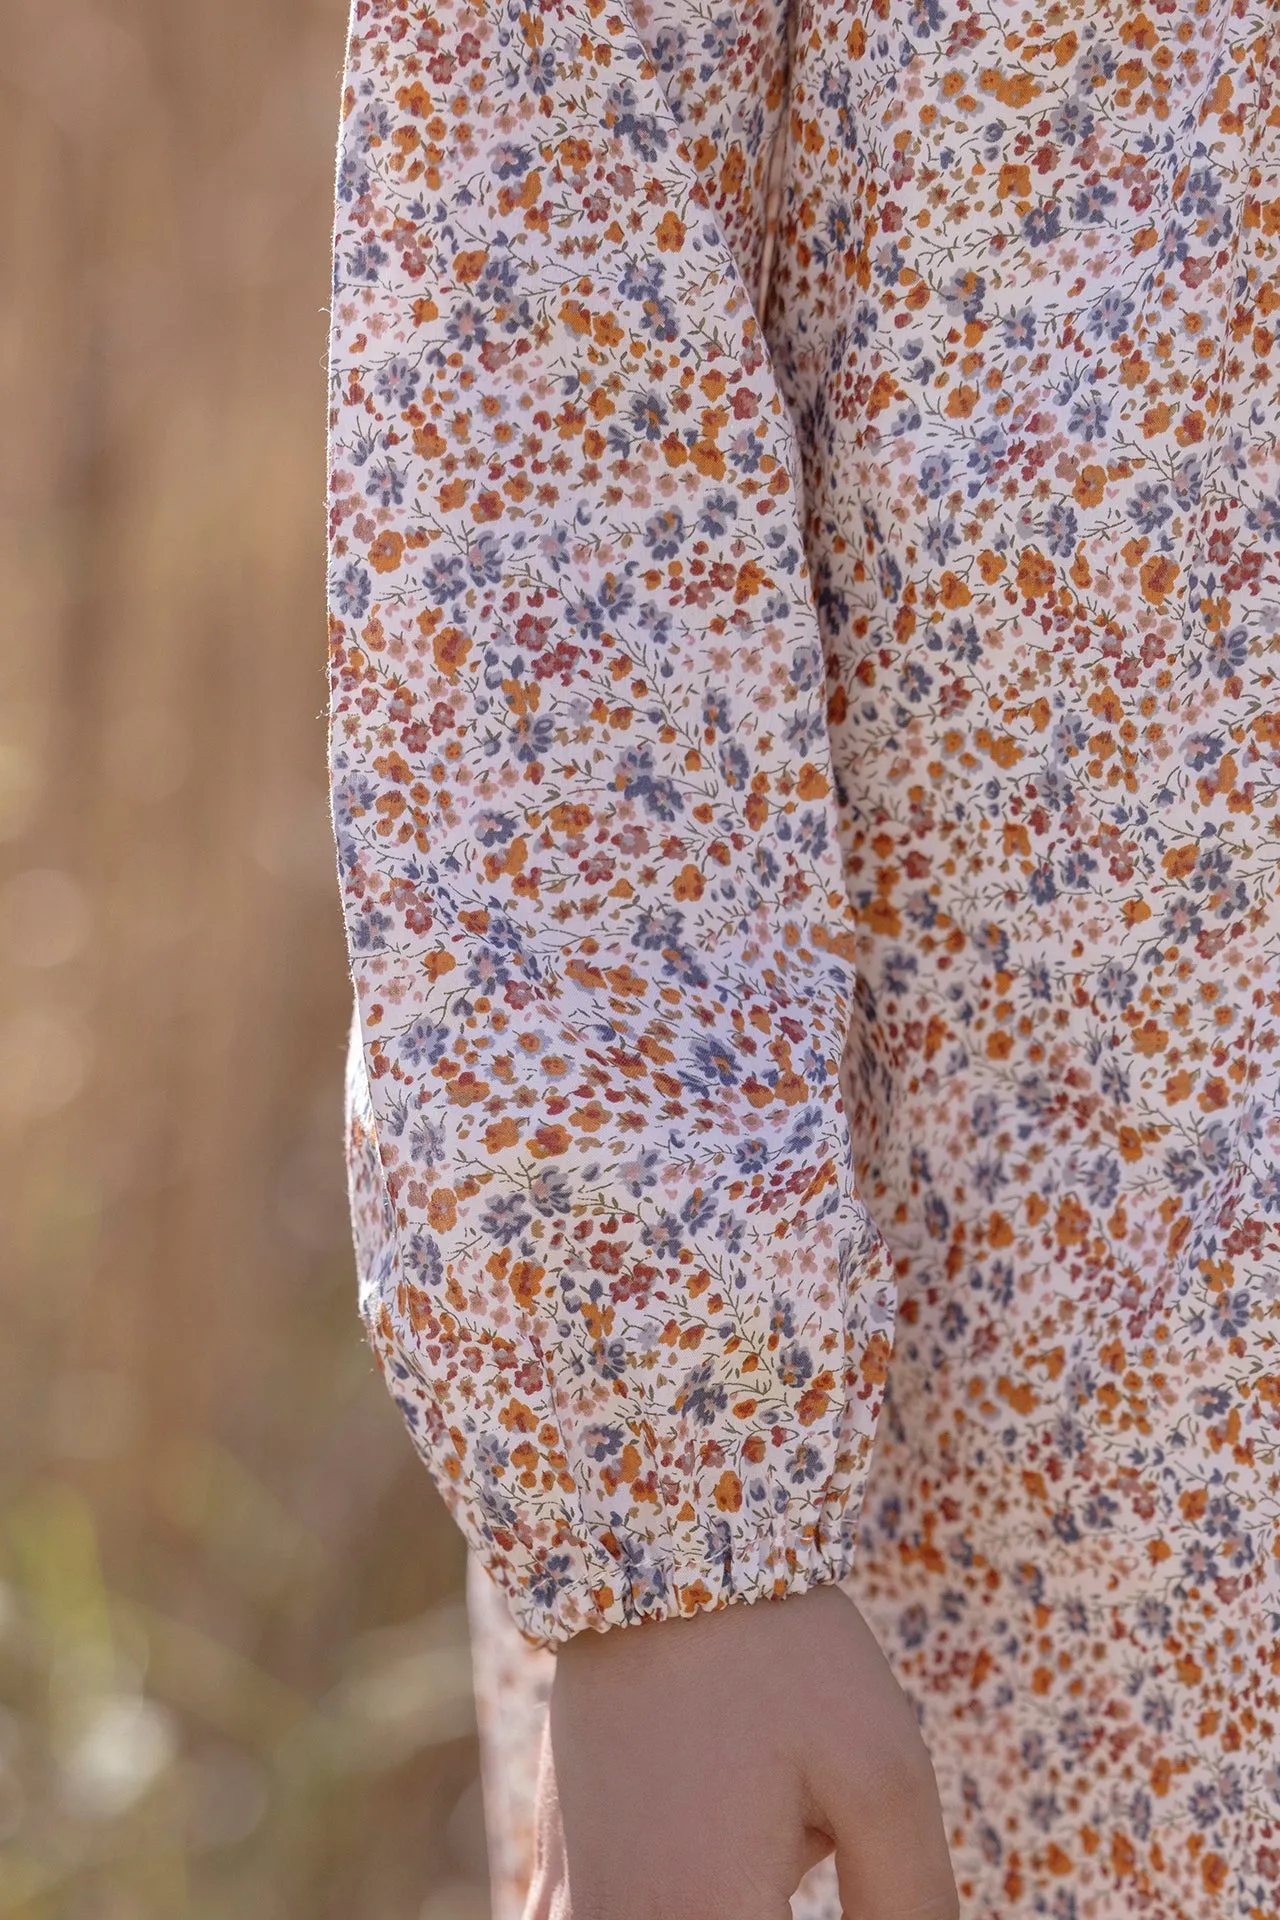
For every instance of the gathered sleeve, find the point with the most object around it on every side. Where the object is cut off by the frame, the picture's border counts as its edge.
(612, 1259)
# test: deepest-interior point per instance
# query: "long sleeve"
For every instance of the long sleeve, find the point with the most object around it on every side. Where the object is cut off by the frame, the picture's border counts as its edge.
(612, 1259)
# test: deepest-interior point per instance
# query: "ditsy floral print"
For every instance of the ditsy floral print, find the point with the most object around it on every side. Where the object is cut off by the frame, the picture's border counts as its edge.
(613, 1255)
(805, 604)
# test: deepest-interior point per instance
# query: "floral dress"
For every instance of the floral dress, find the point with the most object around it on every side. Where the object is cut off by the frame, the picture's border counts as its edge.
(805, 747)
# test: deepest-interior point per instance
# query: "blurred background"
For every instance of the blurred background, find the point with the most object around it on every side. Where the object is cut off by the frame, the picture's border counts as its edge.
(233, 1667)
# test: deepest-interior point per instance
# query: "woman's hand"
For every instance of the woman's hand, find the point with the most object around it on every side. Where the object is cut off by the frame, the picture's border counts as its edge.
(696, 1769)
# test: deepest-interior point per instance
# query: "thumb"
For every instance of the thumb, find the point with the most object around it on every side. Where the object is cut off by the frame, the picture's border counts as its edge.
(870, 1778)
(891, 1856)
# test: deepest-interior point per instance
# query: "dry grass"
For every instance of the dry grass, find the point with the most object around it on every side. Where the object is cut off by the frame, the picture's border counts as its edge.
(232, 1659)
